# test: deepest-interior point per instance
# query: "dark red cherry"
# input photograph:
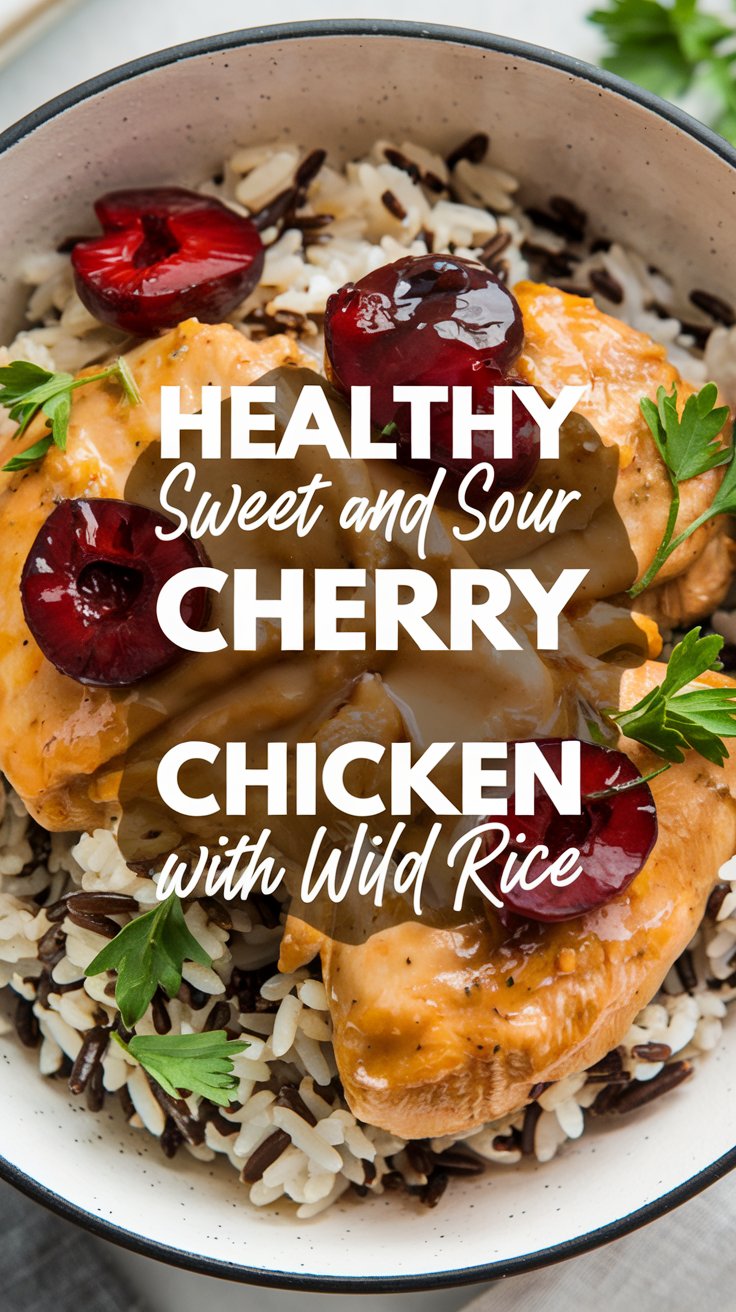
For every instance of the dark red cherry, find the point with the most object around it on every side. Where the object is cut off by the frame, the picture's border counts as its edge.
(425, 320)
(434, 320)
(166, 254)
(89, 589)
(614, 835)
(509, 472)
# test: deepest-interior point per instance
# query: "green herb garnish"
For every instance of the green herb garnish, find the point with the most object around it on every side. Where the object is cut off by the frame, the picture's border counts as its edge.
(669, 721)
(671, 49)
(189, 1063)
(689, 446)
(149, 951)
(27, 388)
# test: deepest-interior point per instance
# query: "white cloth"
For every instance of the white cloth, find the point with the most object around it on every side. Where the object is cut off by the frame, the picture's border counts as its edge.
(684, 1262)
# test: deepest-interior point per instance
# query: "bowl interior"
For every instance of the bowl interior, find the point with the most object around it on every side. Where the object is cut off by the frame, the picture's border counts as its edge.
(642, 179)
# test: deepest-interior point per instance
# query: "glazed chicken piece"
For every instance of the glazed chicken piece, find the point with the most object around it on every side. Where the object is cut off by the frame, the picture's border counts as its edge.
(568, 340)
(55, 732)
(443, 1024)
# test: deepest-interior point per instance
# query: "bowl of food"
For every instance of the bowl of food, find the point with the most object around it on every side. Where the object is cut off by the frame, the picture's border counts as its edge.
(223, 1085)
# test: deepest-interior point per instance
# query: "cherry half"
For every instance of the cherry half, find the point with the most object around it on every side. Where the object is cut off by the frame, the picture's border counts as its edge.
(166, 254)
(89, 589)
(614, 835)
(433, 320)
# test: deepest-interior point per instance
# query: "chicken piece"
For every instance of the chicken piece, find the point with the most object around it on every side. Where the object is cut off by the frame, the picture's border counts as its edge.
(443, 1024)
(56, 732)
(568, 340)
(692, 595)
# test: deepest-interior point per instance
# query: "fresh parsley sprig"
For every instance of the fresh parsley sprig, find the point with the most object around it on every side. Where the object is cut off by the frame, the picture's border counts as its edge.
(25, 389)
(669, 721)
(688, 444)
(191, 1063)
(671, 48)
(149, 951)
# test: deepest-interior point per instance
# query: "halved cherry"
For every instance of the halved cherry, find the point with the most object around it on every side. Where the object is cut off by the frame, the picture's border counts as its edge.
(509, 472)
(434, 320)
(166, 254)
(614, 835)
(89, 589)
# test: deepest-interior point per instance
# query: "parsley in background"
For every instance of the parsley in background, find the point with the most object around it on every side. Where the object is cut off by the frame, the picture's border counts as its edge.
(671, 49)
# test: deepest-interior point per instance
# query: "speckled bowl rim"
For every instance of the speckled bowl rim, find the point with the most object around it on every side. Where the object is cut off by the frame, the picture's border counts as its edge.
(542, 1257)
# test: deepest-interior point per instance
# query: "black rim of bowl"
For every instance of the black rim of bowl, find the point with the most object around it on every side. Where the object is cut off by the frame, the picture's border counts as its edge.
(701, 1180)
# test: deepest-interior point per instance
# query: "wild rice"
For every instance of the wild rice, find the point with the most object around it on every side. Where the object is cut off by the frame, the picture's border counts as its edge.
(291, 1134)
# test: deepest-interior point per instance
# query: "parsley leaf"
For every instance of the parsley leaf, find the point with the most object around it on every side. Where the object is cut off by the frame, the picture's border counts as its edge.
(194, 1063)
(26, 389)
(149, 951)
(669, 721)
(688, 444)
(670, 48)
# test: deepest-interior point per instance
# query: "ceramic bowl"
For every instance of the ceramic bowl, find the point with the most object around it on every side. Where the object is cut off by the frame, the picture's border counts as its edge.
(646, 174)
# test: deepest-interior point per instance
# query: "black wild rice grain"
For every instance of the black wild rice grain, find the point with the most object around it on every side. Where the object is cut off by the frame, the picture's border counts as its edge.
(308, 222)
(474, 149)
(421, 1157)
(532, 1114)
(433, 183)
(224, 1125)
(570, 214)
(369, 1171)
(401, 161)
(171, 1139)
(89, 1057)
(96, 924)
(217, 914)
(719, 310)
(275, 209)
(268, 909)
(434, 1188)
(718, 895)
(26, 1023)
(686, 972)
(266, 1153)
(611, 1064)
(555, 264)
(288, 1096)
(95, 1096)
(44, 987)
(245, 985)
(309, 168)
(102, 904)
(637, 1094)
(393, 204)
(219, 1018)
(651, 1051)
(160, 1013)
(126, 1103)
(537, 1089)
(51, 946)
(194, 998)
(507, 1143)
(67, 244)
(460, 1161)
(554, 223)
(610, 1077)
(607, 285)
(494, 247)
(189, 1127)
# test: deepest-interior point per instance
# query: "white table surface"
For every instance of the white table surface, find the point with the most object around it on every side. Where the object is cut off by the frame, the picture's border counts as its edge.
(95, 35)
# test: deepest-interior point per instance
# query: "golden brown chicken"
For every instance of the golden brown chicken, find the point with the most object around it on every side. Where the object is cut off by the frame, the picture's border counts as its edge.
(443, 1024)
